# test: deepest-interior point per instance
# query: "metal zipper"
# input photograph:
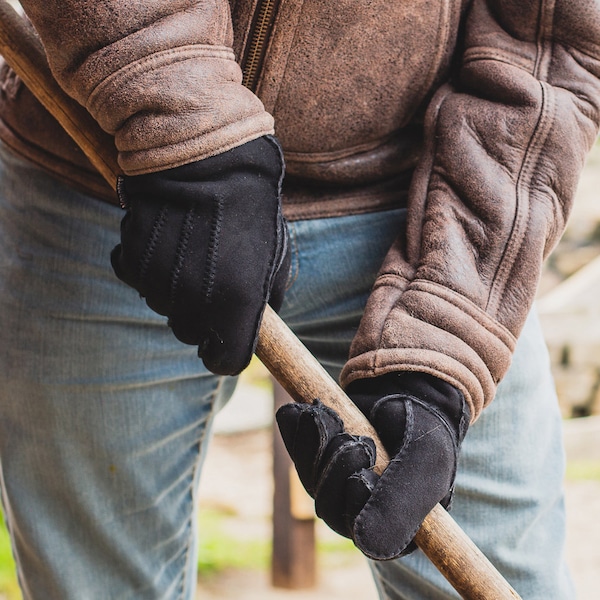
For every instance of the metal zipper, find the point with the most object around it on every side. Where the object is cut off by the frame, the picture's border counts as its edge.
(260, 32)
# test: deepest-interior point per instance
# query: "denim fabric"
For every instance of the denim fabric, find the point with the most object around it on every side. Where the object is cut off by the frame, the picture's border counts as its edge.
(105, 416)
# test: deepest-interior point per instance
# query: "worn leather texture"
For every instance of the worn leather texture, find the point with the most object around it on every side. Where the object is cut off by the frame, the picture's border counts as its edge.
(347, 88)
(161, 76)
(492, 103)
(504, 148)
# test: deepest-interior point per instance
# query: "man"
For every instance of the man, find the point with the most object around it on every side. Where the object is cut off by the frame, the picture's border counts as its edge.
(431, 151)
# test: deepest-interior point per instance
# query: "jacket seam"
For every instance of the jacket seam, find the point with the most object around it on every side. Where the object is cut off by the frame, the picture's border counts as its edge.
(530, 159)
(543, 43)
(459, 301)
(522, 208)
(157, 60)
(481, 53)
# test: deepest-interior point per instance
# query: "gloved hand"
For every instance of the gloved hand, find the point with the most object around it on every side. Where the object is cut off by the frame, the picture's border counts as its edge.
(421, 421)
(207, 246)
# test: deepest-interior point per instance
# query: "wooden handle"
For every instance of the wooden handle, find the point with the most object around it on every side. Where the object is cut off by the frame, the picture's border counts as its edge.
(23, 51)
(440, 538)
(288, 360)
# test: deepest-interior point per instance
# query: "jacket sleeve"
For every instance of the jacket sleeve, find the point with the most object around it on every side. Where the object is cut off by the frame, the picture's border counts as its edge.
(159, 75)
(490, 198)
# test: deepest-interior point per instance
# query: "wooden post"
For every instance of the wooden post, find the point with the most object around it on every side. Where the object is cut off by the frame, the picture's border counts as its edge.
(293, 563)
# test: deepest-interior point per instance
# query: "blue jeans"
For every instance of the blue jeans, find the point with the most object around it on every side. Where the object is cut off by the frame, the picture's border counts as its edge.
(105, 417)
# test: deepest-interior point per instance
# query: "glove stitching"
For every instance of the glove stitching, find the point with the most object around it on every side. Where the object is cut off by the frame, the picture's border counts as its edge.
(283, 241)
(281, 244)
(299, 409)
(153, 238)
(314, 410)
(456, 438)
(404, 544)
(364, 480)
(314, 475)
(216, 223)
(408, 428)
(186, 231)
(427, 407)
(352, 441)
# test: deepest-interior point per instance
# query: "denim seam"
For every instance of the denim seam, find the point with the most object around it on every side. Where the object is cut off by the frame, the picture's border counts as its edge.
(195, 475)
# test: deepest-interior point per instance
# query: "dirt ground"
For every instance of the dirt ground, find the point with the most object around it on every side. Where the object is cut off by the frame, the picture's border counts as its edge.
(237, 478)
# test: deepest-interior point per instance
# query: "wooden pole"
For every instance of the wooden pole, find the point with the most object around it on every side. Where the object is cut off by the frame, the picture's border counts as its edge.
(440, 538)
(24, 52)
(293, 562)
(288, 360)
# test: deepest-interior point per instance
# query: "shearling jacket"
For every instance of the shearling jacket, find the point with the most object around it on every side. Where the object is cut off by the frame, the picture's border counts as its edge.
(476, 115)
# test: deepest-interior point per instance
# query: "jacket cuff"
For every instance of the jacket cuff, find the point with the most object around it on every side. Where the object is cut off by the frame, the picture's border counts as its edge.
(430, 329)
(177, 106)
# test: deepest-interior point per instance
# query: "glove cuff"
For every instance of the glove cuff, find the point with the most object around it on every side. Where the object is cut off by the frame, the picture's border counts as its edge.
(427, 389)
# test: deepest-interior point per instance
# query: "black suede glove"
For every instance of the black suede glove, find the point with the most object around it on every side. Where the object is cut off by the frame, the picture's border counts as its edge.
(421, 421)
(206, 245)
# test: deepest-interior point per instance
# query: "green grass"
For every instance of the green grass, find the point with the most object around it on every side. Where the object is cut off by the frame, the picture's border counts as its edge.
(583, 470)
(9, 588)
(336, 552)
(219, 550)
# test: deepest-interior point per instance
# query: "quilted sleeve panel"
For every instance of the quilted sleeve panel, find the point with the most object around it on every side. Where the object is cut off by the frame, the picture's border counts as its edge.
(506, 143)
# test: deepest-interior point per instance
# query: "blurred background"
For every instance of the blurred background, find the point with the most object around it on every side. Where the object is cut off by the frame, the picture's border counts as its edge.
(312, 563)
(237, 558)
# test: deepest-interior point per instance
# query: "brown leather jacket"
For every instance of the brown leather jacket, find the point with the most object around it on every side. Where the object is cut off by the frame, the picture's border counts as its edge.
(495, 102)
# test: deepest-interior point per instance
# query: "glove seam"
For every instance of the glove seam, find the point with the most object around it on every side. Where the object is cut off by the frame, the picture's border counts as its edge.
(212, 254)
(152, 242)
(432, 409)
(187, 229)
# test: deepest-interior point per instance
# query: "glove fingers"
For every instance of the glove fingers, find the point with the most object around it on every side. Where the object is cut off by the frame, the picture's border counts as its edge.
(391, 517)
(145, 256)
(347, 457)
(176, 275)
(334, 467)
(203, 244)
(214, 299)
(225, 349)
(307, 430)
(359, 488)
(116, 260)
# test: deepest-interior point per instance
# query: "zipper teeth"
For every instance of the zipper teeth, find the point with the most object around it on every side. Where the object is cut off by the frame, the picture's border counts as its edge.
(257, 43)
